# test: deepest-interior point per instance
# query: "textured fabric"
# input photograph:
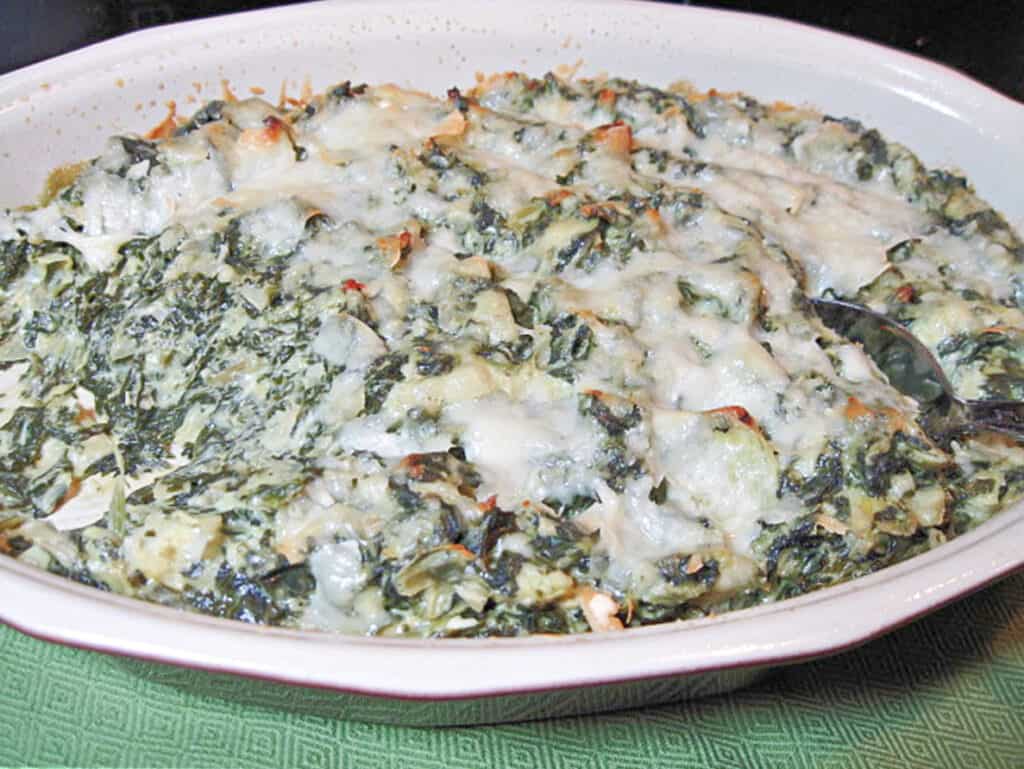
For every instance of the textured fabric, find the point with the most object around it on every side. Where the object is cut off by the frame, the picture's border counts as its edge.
(947, 691)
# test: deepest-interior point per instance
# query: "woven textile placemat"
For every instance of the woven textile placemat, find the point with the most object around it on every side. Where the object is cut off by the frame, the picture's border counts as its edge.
(946, 691)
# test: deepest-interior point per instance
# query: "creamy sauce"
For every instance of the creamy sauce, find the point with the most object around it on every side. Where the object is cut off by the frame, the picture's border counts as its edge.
(593, 302)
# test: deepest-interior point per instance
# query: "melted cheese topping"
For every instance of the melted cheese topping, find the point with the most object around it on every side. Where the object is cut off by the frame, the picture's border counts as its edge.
(385, 316)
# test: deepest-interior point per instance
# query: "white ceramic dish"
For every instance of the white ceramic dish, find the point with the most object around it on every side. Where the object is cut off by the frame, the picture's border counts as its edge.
(63, 109)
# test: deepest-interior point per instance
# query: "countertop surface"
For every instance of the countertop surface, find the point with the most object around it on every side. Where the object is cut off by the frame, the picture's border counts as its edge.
(946, 691)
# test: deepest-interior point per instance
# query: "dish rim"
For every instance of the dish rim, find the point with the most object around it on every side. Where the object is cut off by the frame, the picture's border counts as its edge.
(938, 582)
(931, 580)
(138, 39)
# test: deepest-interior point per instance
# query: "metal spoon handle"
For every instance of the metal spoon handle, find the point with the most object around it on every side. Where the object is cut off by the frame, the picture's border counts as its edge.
(913, 370)
(1001, 416)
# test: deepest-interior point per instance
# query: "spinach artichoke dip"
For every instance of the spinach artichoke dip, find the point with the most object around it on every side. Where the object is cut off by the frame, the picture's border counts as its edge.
(536, 357)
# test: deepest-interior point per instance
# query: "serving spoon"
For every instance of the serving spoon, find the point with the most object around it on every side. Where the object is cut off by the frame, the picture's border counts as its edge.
(914, 371)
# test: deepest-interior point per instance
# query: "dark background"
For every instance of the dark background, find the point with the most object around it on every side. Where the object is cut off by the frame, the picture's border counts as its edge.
(983, 39)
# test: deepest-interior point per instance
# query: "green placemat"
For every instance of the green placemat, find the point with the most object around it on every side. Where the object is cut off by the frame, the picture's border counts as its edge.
(947, 691)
